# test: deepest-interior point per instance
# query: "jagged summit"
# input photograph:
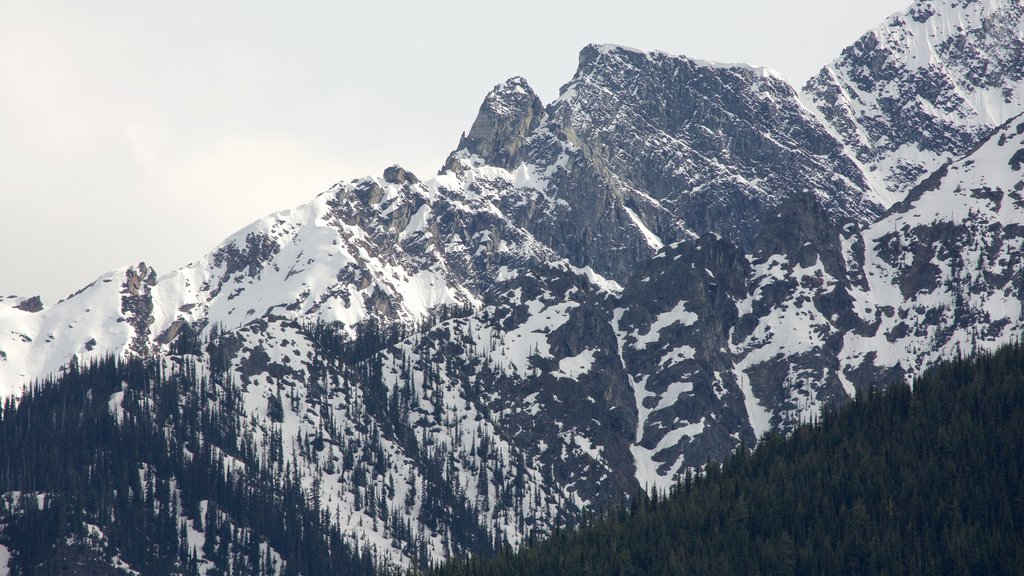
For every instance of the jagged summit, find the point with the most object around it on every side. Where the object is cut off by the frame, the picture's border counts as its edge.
(30, 304)
(395, 174)
(713, 144)
(642, 149)
(509, 112)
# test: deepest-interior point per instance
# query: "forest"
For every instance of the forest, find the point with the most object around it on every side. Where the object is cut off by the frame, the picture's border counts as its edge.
(88, 485)
(903, 480)
(150, 463)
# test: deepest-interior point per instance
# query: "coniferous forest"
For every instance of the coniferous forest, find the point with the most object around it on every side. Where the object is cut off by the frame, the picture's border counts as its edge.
(148, 481)
(927, 481)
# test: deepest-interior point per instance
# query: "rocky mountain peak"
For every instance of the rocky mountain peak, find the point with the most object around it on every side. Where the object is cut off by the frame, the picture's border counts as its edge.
(509, 112)
(594, 57)
(673, 257)
(716, 145)
(32, 304)
(137, 276)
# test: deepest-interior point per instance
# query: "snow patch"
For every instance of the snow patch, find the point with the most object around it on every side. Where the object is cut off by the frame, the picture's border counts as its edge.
(575, 366)
(677, 315)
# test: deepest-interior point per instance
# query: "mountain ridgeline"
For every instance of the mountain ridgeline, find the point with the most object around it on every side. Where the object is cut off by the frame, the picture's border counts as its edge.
(593, 296)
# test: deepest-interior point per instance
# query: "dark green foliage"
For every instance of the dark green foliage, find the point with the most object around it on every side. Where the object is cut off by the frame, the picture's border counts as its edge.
(928, 482)
(334, 344)
(136, 471)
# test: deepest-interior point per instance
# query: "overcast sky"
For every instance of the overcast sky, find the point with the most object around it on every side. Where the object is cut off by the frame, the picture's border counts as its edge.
(151, 130)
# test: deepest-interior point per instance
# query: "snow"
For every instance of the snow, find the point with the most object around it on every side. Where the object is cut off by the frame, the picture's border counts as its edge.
(662, 476)
(5, 560)
(758, 416)
(324, 263)
(677, 355)
(317, 265)
(585, 445)
(531, 337)
(673, 393)
(788, 329)
(96, 534)
(953, 203)
(761, 71)
(677, 315)
(909, 51)
(650, 237)
(39, 344)
(417, 223)
(114, 405)
(677, 435)
(573, 367)
(598, 280)
(649, 472)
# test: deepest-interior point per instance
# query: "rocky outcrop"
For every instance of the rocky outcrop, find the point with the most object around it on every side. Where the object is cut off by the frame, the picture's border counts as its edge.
(645, 149)
(32, 304)
(137, 306)
(509, 113)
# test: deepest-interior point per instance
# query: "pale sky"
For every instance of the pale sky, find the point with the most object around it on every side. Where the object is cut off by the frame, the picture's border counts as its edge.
(151, 130)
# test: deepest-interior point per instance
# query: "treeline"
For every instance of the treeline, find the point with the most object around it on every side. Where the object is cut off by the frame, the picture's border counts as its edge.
(895, 482)
(131, 460)
(334, 343)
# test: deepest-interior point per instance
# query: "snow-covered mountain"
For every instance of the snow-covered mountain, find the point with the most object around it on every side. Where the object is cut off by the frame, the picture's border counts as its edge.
(592, 295)
(942, 273)
(923, 88)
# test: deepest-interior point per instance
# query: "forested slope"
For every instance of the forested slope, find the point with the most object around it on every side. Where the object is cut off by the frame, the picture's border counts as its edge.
(897, 482)
(123, 467)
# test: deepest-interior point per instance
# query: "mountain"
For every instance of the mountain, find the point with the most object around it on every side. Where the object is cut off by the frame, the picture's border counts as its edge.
(593, 296)
(923, 88)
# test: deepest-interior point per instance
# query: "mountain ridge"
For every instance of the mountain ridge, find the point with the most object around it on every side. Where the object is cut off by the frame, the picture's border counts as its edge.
(592, 296)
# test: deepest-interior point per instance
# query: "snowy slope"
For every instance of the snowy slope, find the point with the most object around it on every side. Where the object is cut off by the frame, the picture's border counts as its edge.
(923, 87)
(943, 270)
(390, 248)
(35, 343)
(721, 346)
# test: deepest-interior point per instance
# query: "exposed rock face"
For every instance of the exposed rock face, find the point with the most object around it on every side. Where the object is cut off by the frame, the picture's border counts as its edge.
(673, 322)
(716, 145)
(32, 304)
(924, 87)
(950, 262)
(509, 113)
(398, 175)
(643, 149)
(137, 306)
